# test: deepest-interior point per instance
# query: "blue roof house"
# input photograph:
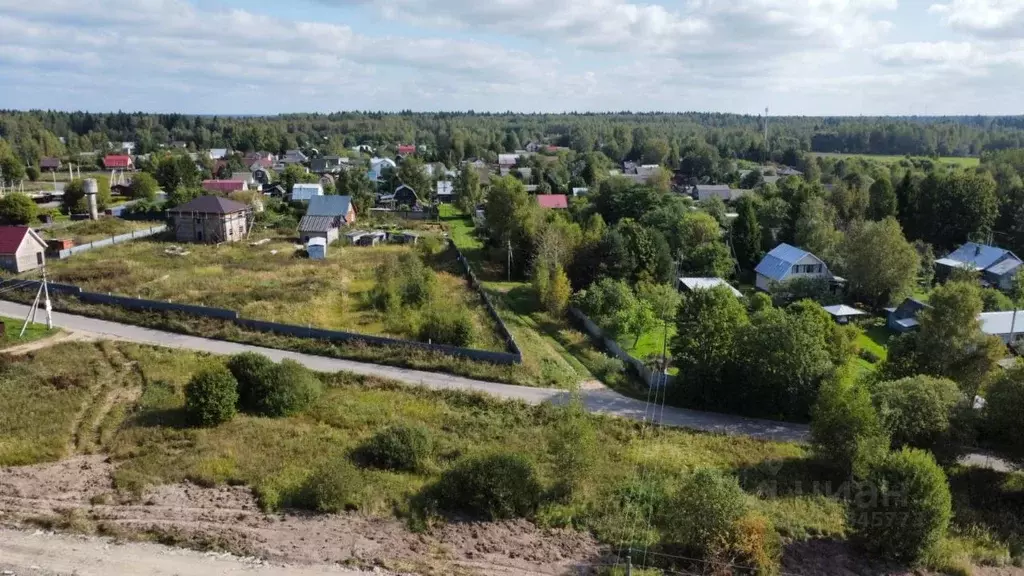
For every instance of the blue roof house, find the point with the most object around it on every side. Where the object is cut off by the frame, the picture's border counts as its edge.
(333, 206)
(996, 265)
(786, 262)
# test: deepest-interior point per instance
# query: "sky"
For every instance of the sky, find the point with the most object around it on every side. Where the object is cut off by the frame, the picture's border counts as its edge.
(796, 57)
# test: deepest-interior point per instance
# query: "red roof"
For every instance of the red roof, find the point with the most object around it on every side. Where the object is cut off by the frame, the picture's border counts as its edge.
(552, 201)
(11, 237)
(117, 161)
(406, 149)
(223, 185)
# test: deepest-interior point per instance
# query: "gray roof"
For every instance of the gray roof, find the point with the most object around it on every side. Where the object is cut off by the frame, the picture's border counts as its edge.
(776, 264)
(317, 223)
(211, 205)
(844, 310)
(998, 323)
(1004, 267)
(329, 206)
(707, 284)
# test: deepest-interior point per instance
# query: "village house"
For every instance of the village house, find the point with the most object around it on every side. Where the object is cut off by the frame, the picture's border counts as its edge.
(377, 168)
(210, 219)
(294, 157)
(21, 249)
(49, 164)
(445, 192)
(553, 201)
(118, 162)
(406, 149)
(328, 165)
(405, 196)
(996, 266)
(225, 186)
(325, 216)
(303, 192)
(786, 262)
(727, 193)
(903, 318)
(218, 153)
(507, 160)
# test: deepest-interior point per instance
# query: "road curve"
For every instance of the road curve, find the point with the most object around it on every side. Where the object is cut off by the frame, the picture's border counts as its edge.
(601, 401)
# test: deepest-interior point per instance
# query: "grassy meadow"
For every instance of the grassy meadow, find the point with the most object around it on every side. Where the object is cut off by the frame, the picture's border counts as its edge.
(272, 282)
(960, 161)
(128, 402)
(85, 231)
(33, 332)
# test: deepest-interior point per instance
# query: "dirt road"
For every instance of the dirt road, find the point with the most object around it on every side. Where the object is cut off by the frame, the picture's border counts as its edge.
(47, 554)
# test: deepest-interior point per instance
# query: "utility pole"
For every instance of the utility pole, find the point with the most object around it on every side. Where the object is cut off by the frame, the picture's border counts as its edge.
(49, 307)
(31, 312)
(766, 151)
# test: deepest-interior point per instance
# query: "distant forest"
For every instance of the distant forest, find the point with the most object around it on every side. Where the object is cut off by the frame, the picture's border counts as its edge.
(452, 137)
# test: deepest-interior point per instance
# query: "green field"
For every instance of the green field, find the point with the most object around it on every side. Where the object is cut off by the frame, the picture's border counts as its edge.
(34, 331)
(273, 282)
(85, 231)
(961, 161)
(874, 340)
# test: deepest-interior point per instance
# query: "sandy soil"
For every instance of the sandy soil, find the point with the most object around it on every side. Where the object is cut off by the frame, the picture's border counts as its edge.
(76, 494)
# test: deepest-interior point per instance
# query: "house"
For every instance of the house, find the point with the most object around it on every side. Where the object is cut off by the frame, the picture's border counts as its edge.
(316, 248)
(996, 265)
(260, 164)
(210, 219)
(340, 207)
(50, 164)
(225, 186)
(553, 201)
(787, 171)
(246, 177)
(1008, 326)
(118, 162)
(647, 170)
(694, 284)
(580, 191)
(327, 165)
(21, 249)
(903, 318)
(127, 147)
(378, 166)
(507, 160)
(406, 196)
(273, 190)
(406, 149)
(723, 191)
(445, 192)
(294, 157)
(842, 313)
(218, 153)
(303, 192)
(322, 227)
(261, 176)
(785, 262)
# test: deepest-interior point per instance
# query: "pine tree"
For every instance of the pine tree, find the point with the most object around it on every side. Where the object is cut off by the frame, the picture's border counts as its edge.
(746, 235)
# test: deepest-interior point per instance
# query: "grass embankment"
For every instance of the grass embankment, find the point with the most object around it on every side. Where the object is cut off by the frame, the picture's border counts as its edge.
(272, 282)
(553, 351)
(33, 332)
(960, 161)
(85, 231)
(873, 342)
(50, 413)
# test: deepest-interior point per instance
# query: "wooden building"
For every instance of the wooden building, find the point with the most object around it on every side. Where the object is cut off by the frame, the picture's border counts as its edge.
(21, 249)
(210, 219)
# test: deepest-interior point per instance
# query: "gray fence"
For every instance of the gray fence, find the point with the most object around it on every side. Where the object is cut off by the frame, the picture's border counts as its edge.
(510, 340)
(270, 327)
(128, 237)
(652, 378)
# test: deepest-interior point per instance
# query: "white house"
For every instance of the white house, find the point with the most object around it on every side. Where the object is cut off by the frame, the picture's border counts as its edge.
(786, 262)
(378, 166)
(306, 191)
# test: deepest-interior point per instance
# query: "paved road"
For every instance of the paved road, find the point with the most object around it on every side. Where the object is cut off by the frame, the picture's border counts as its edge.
(602, 401)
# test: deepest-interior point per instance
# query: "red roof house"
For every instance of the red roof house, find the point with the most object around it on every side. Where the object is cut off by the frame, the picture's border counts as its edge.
(406, 150)
(224, 185)
(21, 249)
(118, 162)
(555, 201)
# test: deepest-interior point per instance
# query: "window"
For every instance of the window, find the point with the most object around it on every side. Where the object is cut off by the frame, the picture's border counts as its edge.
(39, 258)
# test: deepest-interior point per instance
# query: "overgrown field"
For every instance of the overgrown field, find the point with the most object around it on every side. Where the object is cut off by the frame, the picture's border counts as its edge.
(962, 161)
(273, 282)
(127, 400)
(85, 231)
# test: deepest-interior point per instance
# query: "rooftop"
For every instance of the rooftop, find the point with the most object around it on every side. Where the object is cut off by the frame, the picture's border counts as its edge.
(211, 205)
(707, 284)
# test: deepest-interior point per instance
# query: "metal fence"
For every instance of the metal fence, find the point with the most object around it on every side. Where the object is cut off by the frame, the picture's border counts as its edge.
(128, 237)
(652, 378)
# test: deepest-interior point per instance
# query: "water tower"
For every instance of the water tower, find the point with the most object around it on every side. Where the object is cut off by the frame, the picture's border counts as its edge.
(91, 190)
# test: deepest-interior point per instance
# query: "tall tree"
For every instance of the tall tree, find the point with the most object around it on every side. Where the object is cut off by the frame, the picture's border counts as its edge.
(467, 190)
(879, 263)
(883, 200)
(702, 347)
(746, 235)
(815, 229)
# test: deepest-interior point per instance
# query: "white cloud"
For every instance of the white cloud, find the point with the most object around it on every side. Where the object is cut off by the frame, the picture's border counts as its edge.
(991, 18)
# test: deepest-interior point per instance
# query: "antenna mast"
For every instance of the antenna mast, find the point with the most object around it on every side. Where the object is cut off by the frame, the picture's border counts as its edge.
(766, 131)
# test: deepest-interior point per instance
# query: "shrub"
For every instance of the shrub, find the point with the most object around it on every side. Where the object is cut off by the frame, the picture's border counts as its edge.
(573, 445)
(494, 487)
(284, 389)
(1004, 411)
(903, 508)
(210, 396)
(845, 431)
(917, 411)
(17, 208)
(334, 487)
(447, 326)
(869, 356)
(252, 371)
(397, 448)
(711, 517)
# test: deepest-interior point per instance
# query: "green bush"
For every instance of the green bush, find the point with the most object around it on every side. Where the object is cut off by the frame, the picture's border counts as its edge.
(451, 326)
(282, 390)
(210, 396)
(710, 516)
(1004, 411)
(903, 508)
(399, 447)
(17, 208)
(334, 487)
(493, 487)
(252, 371)
(917, 411)
(573, 445)
(845, 431)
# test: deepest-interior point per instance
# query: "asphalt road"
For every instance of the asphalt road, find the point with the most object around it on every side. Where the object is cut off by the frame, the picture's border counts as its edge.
(603, 401)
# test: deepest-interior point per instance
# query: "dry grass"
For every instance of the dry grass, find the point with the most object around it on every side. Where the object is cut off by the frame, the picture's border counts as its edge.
(85, 231)
(270, 282)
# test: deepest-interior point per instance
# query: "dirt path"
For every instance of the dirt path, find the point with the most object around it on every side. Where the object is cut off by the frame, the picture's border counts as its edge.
(77, 494)
(46, 554)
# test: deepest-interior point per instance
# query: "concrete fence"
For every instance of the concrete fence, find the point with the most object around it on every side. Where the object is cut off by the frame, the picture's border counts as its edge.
(128, 237)
(652, 378)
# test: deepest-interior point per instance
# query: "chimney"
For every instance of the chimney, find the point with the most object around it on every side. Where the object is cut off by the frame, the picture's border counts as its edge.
(977, 249)
(91, 189)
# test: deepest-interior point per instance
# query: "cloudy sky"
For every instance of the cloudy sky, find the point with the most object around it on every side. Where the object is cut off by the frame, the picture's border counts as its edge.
(810, 57)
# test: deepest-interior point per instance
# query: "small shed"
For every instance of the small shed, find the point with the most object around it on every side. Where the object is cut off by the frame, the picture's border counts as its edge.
(842, 313)
(313, 227)
(404, 237)
(363, 238)
(317, 248)
(903, 318)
